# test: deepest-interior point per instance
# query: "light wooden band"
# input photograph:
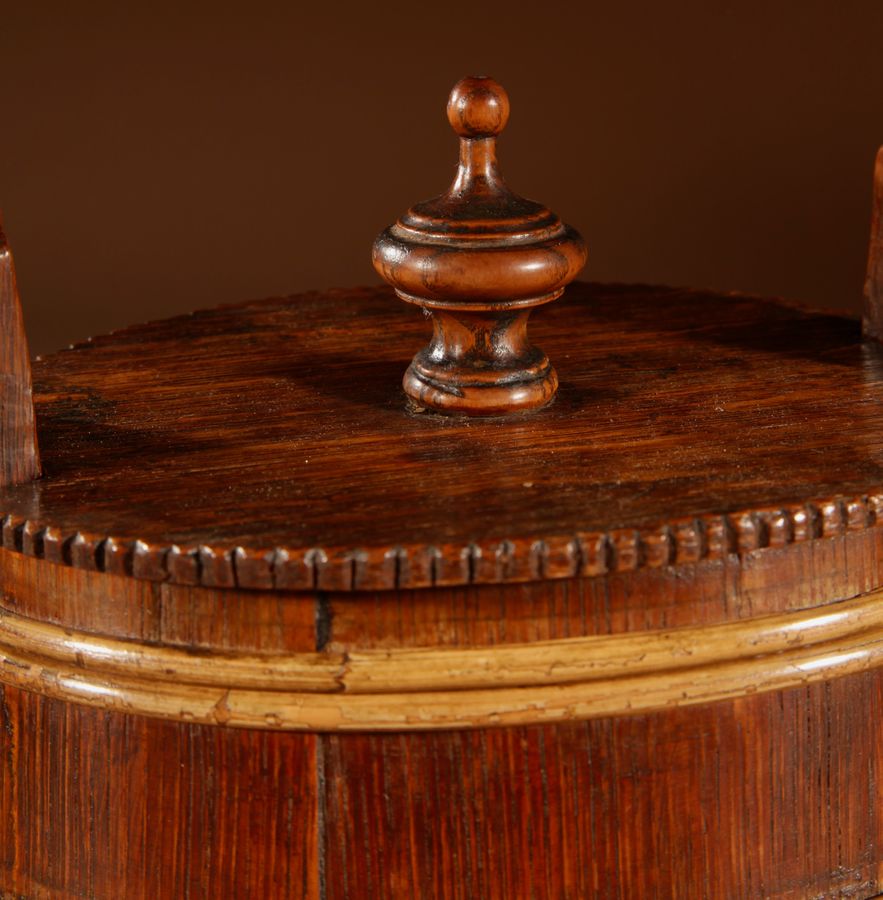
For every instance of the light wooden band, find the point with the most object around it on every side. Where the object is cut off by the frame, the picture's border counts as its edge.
(433, 688)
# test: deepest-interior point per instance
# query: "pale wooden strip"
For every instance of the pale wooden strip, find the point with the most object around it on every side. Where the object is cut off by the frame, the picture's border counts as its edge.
(450, 709)
(565, 661)
(151, 662)
(605, 656)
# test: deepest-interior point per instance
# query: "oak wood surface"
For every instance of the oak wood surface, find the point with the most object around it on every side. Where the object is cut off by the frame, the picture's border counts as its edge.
(676, 803)
(764, 582)
(109, 806)
(710, 459)
(434, 688)
(268, 445)
(758, 799)
(768, 797)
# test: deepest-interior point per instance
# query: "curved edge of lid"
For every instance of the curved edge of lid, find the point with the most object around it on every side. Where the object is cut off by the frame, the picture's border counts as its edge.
(421, 566)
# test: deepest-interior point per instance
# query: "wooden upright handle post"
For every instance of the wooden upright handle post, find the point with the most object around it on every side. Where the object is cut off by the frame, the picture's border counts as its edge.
(873, 318)
(478, 258)
(19, 458)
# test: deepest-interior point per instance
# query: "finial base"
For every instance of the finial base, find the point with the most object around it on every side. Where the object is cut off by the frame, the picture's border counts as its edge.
(480, 364)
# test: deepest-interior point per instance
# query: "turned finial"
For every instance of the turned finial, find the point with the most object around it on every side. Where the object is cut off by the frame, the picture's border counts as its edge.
(19, 459)
(479, 258)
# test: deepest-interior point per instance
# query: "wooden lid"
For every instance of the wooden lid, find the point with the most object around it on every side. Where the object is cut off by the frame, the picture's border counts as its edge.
(267, 445)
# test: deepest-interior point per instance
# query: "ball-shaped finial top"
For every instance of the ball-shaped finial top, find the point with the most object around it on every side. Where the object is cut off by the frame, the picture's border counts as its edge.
(478, 107)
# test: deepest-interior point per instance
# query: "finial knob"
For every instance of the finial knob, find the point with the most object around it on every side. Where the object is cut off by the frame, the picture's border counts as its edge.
(479, 258)
(478, 107)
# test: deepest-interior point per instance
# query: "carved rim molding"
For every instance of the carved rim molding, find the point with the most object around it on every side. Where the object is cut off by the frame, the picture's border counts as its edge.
(436, 688)
(678, 542)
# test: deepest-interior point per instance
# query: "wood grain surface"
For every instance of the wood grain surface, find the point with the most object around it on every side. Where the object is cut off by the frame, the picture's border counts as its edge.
(102, 805)
(758, 800)
(434, 688)
(771, 795)
(268, 445)
(217, 486)
(19, 456)
(873, 319)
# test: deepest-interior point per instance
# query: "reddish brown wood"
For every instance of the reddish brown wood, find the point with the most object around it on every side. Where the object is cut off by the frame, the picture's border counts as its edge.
(175, 615)
(763, 582)
(679, 803)
(726, 425)
(108, 806)
(873, 320)
(247, 481)
(711, 465)
(19, 458)
(751, 799)
(479, 258)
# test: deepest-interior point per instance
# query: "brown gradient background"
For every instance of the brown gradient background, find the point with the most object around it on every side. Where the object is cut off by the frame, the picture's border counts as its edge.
(155, 159)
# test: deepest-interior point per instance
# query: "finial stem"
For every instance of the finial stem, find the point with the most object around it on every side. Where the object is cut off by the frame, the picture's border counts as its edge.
(478, 166)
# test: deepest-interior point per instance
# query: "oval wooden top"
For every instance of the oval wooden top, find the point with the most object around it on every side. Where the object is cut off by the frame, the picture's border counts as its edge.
(268, 444)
